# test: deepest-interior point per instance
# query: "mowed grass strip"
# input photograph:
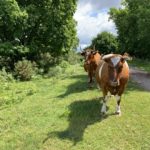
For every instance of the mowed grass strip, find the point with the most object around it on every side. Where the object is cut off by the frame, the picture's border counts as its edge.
(62, 113)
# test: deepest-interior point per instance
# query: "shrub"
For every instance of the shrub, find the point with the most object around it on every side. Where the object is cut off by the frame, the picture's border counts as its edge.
(24, 70)
(5, 62)
(55, 71)
(5, 76)
(45, 61)
(73, 57)
(11, 53)
(64, 64)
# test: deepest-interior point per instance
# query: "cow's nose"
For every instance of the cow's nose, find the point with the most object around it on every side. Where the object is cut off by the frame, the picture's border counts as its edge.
(114, 80)
(115, 83)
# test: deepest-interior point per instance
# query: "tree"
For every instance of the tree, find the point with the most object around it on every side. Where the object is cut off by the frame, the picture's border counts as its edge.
(62, 25)
(50, 26)
(105, 42)
(133, 26)
(31, 27)
(12, 20)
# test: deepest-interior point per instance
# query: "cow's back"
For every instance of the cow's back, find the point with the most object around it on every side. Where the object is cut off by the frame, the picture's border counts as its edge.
(97, 58)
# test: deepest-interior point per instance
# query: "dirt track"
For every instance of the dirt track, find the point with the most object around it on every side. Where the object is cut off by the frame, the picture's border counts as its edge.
(141, 77)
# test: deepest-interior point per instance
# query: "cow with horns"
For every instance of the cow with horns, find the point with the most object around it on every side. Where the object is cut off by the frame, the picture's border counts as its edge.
(112, 76)
(92, 60)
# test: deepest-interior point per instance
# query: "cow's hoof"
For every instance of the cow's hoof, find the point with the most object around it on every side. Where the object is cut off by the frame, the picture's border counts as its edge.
(103, 113)
(90, 85)
(90, 81)
(118, 113)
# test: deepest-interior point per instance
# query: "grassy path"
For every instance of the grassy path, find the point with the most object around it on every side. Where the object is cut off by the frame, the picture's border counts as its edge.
(61, 113)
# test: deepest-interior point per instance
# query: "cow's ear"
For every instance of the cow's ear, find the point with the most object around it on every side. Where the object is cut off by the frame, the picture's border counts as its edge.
(123, 59)
(93, 52)
(126, 56)
(82, 53)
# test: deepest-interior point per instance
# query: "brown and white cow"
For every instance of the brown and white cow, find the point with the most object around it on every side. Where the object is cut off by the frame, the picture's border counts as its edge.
(92, 60)
(112, 76)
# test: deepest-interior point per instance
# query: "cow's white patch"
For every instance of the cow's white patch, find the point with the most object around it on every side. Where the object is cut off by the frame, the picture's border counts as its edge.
(103, 110)
(109, 94)
(117, 97)
(107, 97)
(100, 70)
(115, 60)
(118, 107)
(87, 55)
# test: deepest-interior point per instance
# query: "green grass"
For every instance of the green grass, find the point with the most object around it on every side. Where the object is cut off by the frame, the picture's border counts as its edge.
(141, 64)
(62, 113)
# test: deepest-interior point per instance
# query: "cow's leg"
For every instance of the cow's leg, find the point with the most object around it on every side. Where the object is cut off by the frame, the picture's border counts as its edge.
(105, 99)
(118, 110)
(118, 99)
(90, 77)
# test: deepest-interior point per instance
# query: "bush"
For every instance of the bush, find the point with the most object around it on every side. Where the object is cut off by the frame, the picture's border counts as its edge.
(24, 70)
(64, 64)
(5, 62)
(11, 53)
(5, 76)
(45, 61)
(73, 57)
(55, 71)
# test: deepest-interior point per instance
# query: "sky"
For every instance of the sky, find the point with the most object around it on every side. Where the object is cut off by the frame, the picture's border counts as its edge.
(92, 18)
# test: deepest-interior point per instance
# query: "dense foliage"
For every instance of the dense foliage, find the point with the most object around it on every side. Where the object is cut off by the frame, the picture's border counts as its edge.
(133, 25)
(32, 27)
(105, 42)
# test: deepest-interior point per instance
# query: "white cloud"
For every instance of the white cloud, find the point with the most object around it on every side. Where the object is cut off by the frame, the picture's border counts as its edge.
(92, 18)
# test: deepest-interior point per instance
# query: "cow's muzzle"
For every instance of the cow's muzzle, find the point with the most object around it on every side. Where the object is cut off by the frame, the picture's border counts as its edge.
(114, 84)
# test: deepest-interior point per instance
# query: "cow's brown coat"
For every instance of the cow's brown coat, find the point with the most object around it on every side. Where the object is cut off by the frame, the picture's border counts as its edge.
(92, 60)
(112, 79)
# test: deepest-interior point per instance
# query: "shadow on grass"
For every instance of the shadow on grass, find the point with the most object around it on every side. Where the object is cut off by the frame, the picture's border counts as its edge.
(79, 86)
(82, 114)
